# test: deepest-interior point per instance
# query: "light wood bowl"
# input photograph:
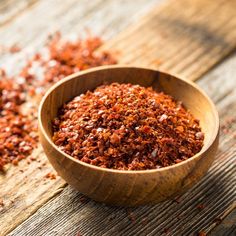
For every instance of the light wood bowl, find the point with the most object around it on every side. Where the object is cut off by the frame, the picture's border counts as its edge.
(130, 188)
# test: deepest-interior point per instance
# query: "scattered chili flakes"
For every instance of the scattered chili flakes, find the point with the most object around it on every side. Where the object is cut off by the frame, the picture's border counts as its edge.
(18, 132)
(177, 199)
(127, 127)
(166, 231)
(202, 233)
(63, 59)
(50, 176)
(1, 203)
(83, 199)
(111, 217)
(14, 49)
(226, 127)
(201, 206)
(131, 216)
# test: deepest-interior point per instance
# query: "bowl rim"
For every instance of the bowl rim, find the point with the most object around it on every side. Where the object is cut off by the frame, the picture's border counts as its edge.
(120, 66)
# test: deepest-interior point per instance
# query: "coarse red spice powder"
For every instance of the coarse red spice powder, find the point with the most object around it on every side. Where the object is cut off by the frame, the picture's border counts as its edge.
(18, 131)
(127, 127)
(18, 134)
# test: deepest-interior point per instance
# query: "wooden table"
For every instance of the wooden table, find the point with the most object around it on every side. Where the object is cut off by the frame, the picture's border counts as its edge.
(194, 39)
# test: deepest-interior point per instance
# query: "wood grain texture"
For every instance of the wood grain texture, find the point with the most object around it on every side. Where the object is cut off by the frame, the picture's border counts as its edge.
(23, 193)
(71, 17)
(130, 188)
(69, 213)
(227, 227)
(9, 9)
(184, 38)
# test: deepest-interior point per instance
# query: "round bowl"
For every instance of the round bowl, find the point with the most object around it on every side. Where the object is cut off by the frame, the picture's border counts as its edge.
(130, 188)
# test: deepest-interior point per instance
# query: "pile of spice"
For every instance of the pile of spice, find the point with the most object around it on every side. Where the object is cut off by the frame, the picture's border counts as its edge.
(59, 58)
(62, 59)
(127, 127)
(18, 134)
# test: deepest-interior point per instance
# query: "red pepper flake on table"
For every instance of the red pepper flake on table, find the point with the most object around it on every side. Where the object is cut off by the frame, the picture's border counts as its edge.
(202, 233)
(201, 207)
(18, 131)
(63, 59)
(12, 49)
(166, 231)
(83, 199)
(127, 127)
(131, 216)
(1, 203)
(50, 176)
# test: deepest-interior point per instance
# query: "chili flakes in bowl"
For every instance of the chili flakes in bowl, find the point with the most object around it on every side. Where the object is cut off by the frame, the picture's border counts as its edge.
(127, 127)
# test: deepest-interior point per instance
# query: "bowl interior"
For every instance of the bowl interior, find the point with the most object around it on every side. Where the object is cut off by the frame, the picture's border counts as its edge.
(191, 96)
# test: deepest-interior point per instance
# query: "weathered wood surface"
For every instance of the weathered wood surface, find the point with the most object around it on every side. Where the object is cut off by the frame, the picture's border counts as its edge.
(185, 38)
(227, 227)
(25, 193)
(9, 9)
(68, 214)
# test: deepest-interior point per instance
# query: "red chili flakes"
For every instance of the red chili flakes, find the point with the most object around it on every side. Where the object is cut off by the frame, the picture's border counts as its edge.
(166, 231)
(1, 203)
(2, 72)
(50, 176)
(227, 126)
(201, 207)
(177, 199)
(18, 132)
(65, 58)
(14, 48)
(83, 199)
(131, 216)
(202, 233)
(127, 127)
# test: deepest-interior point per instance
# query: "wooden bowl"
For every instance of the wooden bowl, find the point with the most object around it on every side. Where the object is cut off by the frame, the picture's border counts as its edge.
(130, 188)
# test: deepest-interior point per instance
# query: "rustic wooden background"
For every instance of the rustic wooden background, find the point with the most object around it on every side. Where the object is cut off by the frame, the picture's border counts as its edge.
(186, 38)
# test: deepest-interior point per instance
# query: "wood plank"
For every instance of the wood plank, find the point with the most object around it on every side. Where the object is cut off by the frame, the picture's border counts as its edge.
(9, 9)
(29, 191)
(24, 189)
(185, 38)
(227, 227)
(198, 210)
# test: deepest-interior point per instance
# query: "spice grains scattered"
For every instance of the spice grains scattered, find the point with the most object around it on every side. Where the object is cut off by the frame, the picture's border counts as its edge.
(63, 58)
(59, 58)
(127, 127)
(18, 134)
